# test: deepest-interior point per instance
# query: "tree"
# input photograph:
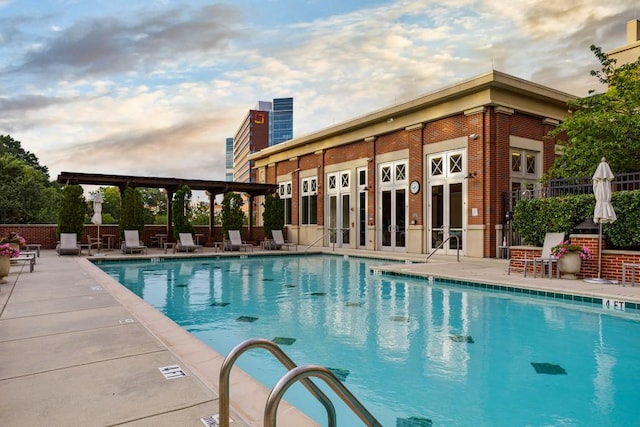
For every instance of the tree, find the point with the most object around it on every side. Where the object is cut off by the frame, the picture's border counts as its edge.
(603, 125)
(273, 215)
(111, 205)
(181, 208)
(10, 146)
(132, 213)
(155, 205)
(26, 196)
(232, 215)
(73, 208)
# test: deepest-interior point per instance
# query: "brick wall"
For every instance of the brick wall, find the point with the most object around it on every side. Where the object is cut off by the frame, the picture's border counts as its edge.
(611, 259)
(47, 234)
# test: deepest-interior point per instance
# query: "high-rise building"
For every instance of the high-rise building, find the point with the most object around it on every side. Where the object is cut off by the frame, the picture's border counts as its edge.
(269, 123)
(282, 121)
(229, 160)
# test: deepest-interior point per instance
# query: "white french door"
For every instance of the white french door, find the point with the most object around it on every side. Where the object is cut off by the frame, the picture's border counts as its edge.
(393, 206)
(339, 208)
(446, 202)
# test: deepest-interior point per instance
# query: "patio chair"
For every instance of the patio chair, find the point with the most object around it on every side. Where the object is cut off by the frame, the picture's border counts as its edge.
(94, 242)
(68, 244)
(235, 242)
(186, 243)
(278, 241)
(132, 243)
(545, 259)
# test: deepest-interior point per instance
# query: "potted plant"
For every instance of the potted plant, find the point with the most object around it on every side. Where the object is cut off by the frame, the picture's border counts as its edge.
(14, 239)
(7, 251)
(570, 258)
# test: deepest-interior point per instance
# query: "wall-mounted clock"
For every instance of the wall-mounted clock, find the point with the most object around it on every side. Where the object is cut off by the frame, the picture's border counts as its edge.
(414, 187)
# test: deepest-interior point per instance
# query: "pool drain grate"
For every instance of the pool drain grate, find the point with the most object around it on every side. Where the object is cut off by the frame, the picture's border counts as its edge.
(341, 374)
(548, 368)
(213, 420)
(318, 294)
(172, 371)
(219, 304)
(414, 422)
(400, 318)
(283, 340)
(462, 338)
(353, 304)
(247, 319)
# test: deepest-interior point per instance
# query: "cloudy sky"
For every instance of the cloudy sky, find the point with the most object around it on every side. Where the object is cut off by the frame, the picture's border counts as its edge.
(153, 87)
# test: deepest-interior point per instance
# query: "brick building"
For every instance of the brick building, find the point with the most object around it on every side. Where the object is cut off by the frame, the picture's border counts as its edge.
(407, 177)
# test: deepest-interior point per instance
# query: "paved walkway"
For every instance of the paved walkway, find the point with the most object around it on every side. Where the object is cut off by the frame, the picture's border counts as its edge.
(78, 349)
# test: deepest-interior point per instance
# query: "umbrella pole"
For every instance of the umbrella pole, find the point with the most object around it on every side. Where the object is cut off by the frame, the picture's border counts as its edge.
(599, 250)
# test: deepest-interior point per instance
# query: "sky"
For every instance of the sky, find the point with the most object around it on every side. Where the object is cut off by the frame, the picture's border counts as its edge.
(154, 87)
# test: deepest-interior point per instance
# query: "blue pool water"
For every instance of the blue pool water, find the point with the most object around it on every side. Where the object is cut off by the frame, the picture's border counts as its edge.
(413, 352)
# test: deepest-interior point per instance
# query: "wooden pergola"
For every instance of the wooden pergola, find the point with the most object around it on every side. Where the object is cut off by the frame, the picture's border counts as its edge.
(171, 185)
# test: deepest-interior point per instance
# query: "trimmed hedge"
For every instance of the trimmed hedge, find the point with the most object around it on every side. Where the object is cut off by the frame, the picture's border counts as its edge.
(532, 219)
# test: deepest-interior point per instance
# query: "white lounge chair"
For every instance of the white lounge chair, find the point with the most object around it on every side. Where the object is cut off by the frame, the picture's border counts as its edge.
(545, 259)
(68, 244)
(186, 243)
(235, 242)
(278, 241)
(132, 243)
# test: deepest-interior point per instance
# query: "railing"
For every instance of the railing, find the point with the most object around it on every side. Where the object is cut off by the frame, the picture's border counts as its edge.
(320, 238)
(225, 372)
(442, 244)
(301, 373)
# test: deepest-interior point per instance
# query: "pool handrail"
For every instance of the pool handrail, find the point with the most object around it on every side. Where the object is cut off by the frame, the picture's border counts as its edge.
(302, 373)
(442, 244)
(237, 351)
(320, 238)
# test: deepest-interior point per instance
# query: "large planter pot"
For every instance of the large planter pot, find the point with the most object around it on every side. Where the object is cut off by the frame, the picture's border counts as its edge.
(569, 265)
(5, 264)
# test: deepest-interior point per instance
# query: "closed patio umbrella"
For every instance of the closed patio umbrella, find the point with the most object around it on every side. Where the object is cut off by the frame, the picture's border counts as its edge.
(603, 212)
(97, 211)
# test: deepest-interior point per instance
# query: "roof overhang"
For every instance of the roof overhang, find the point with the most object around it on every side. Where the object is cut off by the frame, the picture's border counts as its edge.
(169, 184)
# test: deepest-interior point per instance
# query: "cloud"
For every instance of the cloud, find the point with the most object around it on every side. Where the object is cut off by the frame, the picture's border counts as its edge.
(102, 46)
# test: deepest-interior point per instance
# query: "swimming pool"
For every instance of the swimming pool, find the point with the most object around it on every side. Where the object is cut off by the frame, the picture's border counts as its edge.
(410, 350)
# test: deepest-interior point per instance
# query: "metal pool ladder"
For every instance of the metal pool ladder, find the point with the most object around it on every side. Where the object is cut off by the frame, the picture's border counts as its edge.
(295, 373)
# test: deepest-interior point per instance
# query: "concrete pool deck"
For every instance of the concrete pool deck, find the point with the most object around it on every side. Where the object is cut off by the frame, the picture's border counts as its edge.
(77, 348)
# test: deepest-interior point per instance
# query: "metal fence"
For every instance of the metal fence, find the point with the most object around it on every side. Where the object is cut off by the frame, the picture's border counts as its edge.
(555, 188)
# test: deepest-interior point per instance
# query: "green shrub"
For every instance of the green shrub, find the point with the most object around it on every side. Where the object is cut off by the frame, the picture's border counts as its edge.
(532, 219)
(232, 215)
(181, 208)
(132, 211)
(273, 215)
(72, 211)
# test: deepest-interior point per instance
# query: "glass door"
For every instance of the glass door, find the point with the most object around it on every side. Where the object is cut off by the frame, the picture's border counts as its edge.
(446, 223)
(339, 208)
(393, 206)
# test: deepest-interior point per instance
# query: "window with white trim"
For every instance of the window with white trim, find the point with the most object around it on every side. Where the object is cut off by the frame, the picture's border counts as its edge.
(309, 201)
(524, 168)
(285, 191)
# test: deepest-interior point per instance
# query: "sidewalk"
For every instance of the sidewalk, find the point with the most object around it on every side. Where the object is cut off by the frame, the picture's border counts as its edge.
(78, 349)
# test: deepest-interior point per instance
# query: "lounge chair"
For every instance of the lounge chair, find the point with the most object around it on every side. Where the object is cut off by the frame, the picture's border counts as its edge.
(278, 241)
(235, 242)
(546, 260)
(132, 242)
(68, 244)
(186, 243)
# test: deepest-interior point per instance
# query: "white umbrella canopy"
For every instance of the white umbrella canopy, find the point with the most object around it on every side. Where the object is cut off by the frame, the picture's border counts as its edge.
(97, 208)
(603, 212)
